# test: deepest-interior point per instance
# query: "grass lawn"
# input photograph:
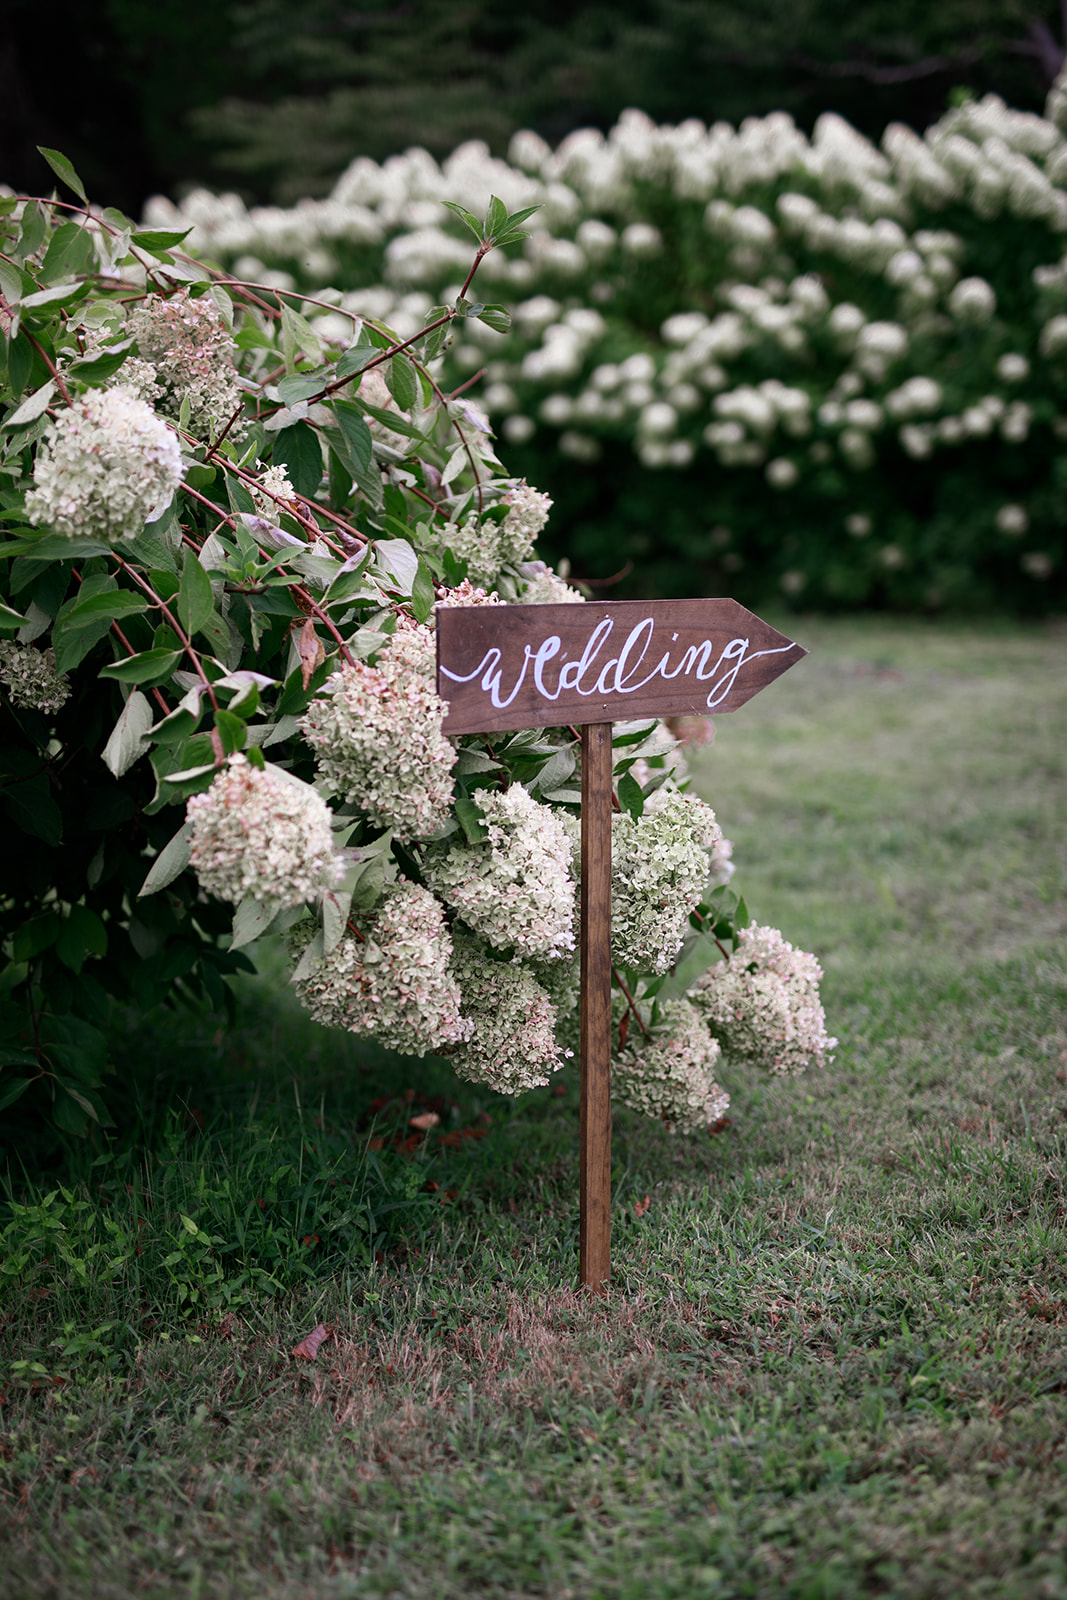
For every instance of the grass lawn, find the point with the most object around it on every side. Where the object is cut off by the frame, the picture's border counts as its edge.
(833, 1360)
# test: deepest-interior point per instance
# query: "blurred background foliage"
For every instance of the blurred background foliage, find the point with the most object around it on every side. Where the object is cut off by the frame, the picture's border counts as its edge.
(274, 98)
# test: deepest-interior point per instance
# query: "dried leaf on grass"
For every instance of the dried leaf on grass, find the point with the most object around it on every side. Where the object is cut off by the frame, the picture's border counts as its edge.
(308, 1348)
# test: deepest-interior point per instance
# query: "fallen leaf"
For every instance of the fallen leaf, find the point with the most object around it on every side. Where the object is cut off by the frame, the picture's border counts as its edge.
(428, 1119)
(308, 1348)
(312, 655)
(641, 1206)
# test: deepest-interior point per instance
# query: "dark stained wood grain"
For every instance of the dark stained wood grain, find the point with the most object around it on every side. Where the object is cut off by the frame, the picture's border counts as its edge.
(605, 661)
(595, 1020)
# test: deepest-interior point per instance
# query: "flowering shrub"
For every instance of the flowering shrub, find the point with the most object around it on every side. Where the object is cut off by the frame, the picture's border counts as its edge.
(226, 533)
(813, 363)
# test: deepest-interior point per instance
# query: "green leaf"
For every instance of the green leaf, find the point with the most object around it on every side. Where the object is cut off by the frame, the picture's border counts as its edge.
(298, 450)
(81, 935)
(352, 444)
(470, 819)
(495, 317)
(34, 937)
(149, 667)
(111, 605)
(32, 407)
(402, 382)
(196, 601)
(355, 432)
(160, 238)
(298, 336)
(517, 218)
(468, 217)
(400, 561)
(34, 228)
(231, 730)
(630, 797)
(199, 476)
(11, 1090)
(10, 621)
(496, 217)
(354, 360)
(422, 593)
(60, 294)
(101, 367)
(54, 547)
(171, 861)
(302, 386)
(252, 919)
(128, 741)
(11, 283)
(393, 420)
(64, 170)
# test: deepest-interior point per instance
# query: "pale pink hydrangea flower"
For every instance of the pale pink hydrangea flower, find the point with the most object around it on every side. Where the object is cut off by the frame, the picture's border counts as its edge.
(465, 594)
(763, 1004)
(31, 679)
(392, 980)
(659, 870)
(488, 546)
(513, 1044)
(190, 347)
(546, 588)
(108, 463)
(514, 887)
(376, 733)
(670, 1075)
(259, 834)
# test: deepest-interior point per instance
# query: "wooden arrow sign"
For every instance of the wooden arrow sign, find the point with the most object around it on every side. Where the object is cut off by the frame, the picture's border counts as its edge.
(507, 667)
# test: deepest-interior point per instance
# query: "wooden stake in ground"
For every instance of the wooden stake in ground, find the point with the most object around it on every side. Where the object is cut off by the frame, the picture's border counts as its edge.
(595, 1020)
(502, 667)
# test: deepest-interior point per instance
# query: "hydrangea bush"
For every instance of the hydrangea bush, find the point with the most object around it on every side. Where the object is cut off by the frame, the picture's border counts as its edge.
(741, 357)
(226, 532)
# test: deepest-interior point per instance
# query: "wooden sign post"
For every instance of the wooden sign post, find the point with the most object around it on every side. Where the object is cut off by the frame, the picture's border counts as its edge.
(512, 667)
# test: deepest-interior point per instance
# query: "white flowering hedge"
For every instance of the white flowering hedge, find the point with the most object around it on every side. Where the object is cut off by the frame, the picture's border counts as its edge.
(225, 534)
(812, 367)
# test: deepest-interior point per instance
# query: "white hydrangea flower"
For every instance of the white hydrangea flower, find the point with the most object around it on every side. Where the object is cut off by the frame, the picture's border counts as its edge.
(465, 594)
(393, 979)
(273, 481)
(527, 515)
(973, 300)
(782, 473)
(376, 733)
(916, 397)
(259, 834)
(512, 1046)
(514, 887)
(1012, 520)
(1013, 367)
(1053, 341)
(670, 1075)
(107, 464)
(917, 440)
(763, 1004)
(31, 679)
(546, 588)
(659, 869)
(190, 347)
